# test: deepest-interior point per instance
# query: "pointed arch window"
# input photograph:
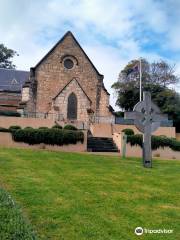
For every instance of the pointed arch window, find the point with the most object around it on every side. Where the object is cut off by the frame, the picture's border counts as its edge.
(72, 107)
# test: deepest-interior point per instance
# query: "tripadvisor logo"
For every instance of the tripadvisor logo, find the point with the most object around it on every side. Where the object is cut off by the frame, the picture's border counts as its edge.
(138, 231)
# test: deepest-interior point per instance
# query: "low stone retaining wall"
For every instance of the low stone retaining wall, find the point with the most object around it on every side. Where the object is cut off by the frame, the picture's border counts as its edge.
(136, 151)
(107, 130)
(164, 153)
(23, 122)
(6, 122)
(7, 141)
(178, 136)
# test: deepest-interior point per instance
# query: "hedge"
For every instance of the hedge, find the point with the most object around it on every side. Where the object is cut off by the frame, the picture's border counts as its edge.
(28, 128)
(43, 128)
(70, 127)
(14, 128)
(128, 131)
(13, 225)
(9, 113)
(57, 126)
(156, 141)
(48, 136)
(4, 129)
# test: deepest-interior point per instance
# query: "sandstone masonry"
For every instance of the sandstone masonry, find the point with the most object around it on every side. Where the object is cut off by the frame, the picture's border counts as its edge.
(66, 69)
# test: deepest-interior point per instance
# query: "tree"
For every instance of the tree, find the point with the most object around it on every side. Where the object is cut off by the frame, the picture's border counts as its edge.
(160, 72)
(5, 57)
(127, 94)
(163, 73)
(156, 77)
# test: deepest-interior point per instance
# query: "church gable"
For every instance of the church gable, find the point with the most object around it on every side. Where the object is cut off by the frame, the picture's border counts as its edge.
(67, 39)
(74, 86)
(67, 71)
(65, 61)
(72, 93)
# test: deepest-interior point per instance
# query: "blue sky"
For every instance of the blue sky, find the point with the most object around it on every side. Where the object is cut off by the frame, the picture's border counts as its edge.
(111, 32)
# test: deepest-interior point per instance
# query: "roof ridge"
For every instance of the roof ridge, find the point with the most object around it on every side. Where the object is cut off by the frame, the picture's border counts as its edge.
(60, 41)
(11, 69)
(7, 77)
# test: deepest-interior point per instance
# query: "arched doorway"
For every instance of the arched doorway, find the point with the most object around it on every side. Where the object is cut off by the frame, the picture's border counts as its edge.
(72, 107)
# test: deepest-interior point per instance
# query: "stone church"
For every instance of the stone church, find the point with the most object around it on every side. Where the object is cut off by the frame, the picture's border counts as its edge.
(65, 85)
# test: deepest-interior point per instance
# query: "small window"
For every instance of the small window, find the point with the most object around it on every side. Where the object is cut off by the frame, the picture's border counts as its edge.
(68, 63)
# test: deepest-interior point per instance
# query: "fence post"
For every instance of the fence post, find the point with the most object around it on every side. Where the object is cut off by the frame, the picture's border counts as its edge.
(124, 141)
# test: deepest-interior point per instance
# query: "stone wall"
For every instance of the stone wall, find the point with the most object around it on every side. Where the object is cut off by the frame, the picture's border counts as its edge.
(107, 130)
(6, 141)
(6, 122)
(104, 104)
(167, 131)
(25, 94)
(101, 130)
(178, 136)
(9, 100)
(83, 102)
(161, 153)
(136, 151)
(52, 76)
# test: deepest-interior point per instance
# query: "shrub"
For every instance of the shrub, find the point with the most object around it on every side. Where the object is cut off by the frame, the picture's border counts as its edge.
(69, 137)
(119, 114)
(80, 136)
(43, 128)
(14, 128)
(128, 131)
(28, 128)
(135, 139)
(175, 145)
(4, 129)
(57, 126)
(70, 127)
(9, 113)
(156, 141)
(48, 136)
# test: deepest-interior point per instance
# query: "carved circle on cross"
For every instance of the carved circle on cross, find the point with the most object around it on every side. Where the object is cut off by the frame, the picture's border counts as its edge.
(146, 117)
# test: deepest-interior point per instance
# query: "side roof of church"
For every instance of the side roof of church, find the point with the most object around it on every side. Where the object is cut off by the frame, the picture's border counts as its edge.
(12, 79)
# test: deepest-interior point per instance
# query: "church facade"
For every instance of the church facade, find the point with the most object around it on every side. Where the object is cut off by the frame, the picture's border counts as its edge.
(66, 85)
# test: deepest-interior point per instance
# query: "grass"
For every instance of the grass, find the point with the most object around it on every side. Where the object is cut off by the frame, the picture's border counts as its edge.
(12, 223)
(69, 196)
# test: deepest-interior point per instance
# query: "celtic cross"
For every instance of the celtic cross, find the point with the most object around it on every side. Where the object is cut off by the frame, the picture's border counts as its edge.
(147, 118)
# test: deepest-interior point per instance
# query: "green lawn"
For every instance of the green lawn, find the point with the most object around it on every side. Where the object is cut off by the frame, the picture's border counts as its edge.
(13, 225)
(80, 196)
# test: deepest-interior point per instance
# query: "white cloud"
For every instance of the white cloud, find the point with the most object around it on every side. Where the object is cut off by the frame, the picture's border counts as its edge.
(108, 62)
(108, 30)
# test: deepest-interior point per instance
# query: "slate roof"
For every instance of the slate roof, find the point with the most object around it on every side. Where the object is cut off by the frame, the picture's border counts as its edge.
(12, 80)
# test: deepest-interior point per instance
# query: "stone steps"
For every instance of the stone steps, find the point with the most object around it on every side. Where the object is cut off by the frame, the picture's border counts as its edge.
(99, 144)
